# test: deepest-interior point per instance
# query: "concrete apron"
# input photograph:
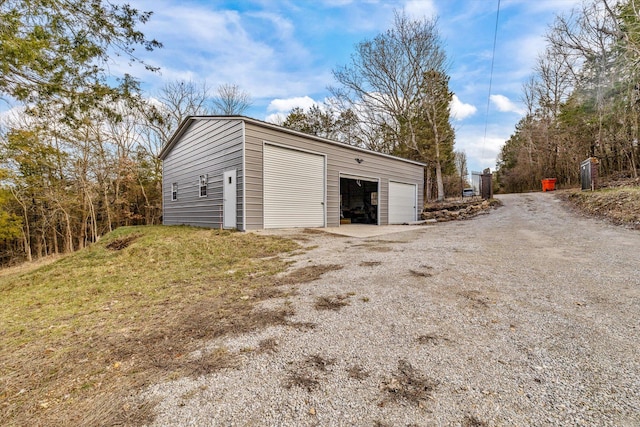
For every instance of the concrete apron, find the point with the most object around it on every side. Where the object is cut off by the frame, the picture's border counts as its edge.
(363, 230)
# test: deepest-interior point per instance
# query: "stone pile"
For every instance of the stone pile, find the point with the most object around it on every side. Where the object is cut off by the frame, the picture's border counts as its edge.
(456, 211)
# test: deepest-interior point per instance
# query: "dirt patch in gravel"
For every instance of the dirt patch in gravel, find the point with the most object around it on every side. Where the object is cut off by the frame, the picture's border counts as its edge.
(308, 273)
(331, 302)
(408, 384)
(306, 373)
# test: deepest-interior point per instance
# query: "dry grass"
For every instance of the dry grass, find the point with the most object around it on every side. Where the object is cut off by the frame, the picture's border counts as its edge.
(213, 361)
(378, 245)
(335, 302)
(78, 336)
(472, 421)
(26, 267)
(382, 249)
(427, 339)
(305, 373)
(313, 231)
(304, 380)
(408, 384)
(267, 345)
(308, 274)
(370, 263)
(430, 339)
(357, 372)
(318, 363)
(419, 273)
(618, 205)
(475, 298)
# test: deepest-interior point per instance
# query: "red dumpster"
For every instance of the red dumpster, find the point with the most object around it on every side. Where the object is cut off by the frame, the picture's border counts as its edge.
(549, 184)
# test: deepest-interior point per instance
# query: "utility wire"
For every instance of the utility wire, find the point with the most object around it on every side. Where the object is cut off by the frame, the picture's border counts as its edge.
(493, 57)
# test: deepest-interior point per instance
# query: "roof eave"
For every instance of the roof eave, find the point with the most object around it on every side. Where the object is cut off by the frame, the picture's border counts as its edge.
(187, 122)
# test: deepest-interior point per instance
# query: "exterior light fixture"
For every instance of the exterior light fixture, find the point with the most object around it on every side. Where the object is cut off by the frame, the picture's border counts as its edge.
(359, 160)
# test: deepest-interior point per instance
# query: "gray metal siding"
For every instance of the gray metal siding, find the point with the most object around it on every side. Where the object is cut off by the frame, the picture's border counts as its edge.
(340, 159)
(207, 147)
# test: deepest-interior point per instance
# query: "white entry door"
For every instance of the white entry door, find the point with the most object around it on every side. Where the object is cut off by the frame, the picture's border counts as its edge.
(230, 200)
(402, 203)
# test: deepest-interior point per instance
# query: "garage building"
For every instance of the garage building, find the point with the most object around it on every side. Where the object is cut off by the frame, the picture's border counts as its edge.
(240, 173)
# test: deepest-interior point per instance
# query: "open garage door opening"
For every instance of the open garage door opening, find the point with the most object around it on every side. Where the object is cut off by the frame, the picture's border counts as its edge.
(358, 201)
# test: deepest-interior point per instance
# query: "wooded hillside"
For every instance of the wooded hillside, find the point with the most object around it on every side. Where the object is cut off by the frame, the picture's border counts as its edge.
(582, 101)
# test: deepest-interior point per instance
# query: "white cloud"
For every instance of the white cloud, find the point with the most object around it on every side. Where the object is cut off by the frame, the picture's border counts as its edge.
(279, 108)
(419, 9)
(460, 110)
(254, 49)
(505, 105)
(481, 151)
(283, 26)
(285, 105)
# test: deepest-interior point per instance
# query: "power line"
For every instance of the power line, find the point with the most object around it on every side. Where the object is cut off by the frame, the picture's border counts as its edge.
(493, 57)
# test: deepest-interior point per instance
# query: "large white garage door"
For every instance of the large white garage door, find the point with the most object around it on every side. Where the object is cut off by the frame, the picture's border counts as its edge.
(402, 203)
(294, 186)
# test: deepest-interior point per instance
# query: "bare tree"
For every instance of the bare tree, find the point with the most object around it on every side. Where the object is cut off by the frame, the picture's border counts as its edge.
(460, 158)
(231, 100)
(158, 119)
(382, 83)
(162, 114)
(385, 84)
(626, 18)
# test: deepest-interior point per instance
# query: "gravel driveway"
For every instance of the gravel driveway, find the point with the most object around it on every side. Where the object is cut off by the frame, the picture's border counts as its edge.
(528, 316)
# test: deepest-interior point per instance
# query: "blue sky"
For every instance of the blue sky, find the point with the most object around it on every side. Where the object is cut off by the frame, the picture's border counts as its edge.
(282, 52)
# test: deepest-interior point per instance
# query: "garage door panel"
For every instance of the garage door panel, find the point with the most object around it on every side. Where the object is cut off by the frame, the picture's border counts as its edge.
(294, 188)
(402, 202)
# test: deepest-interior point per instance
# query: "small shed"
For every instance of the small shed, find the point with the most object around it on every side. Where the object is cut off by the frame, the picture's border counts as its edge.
(240, 173)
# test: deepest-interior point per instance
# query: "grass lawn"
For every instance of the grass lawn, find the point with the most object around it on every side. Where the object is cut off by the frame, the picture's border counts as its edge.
(79, 334)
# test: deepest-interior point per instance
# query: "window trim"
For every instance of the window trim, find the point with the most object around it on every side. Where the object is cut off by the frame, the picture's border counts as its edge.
(174, 191)
(203, 184)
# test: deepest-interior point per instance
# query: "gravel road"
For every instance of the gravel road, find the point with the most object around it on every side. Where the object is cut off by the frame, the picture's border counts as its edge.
(527, 316)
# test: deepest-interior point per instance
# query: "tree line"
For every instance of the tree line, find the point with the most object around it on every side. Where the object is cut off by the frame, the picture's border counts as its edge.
(582, 101)
(79, 156)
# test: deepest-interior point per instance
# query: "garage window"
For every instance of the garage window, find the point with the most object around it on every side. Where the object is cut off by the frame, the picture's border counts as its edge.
(203, 185)
(174, 191)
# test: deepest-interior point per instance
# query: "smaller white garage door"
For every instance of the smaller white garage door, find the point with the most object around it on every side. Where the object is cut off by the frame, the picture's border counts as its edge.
(294, 187)
(402, 203)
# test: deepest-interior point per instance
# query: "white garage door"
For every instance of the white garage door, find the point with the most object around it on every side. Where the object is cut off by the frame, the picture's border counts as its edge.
(402, 203)
(294, 187)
